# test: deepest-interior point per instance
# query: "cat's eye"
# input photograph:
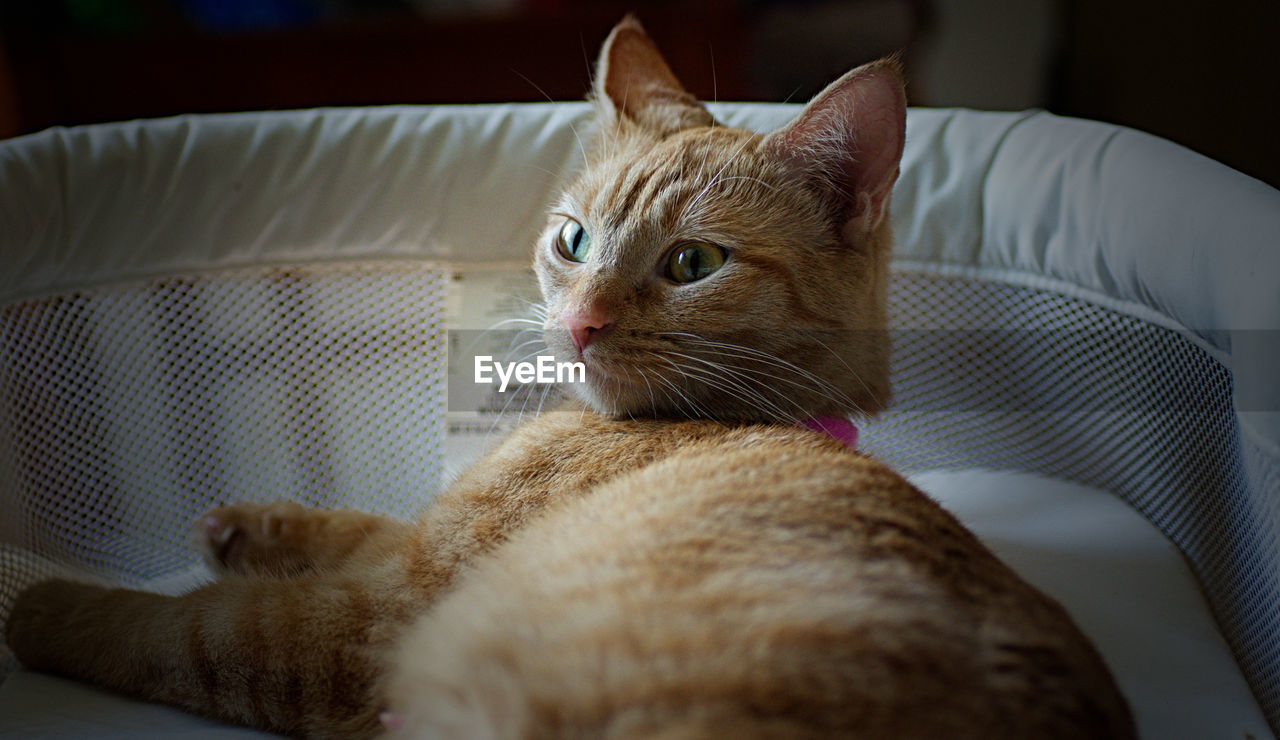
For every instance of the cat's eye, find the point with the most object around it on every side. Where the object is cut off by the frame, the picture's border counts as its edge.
(573, 242)
(694, 261)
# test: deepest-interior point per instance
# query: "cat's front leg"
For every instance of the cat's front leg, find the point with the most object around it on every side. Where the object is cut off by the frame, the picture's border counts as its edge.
(299, 656)
(286, 538)
(56, 625)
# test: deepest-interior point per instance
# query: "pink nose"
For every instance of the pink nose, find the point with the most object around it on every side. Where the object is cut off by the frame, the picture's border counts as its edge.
(586, 323)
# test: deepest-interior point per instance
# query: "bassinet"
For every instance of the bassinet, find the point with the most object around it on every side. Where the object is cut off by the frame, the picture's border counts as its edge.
(252, 306)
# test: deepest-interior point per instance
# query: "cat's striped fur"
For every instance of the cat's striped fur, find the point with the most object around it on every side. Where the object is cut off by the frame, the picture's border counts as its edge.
(676, 559)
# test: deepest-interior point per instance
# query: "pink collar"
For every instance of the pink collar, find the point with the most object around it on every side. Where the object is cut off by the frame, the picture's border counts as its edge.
(838, 428)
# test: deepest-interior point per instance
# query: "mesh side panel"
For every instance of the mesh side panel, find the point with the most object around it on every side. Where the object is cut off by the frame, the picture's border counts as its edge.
(127, 412)
(996, 376)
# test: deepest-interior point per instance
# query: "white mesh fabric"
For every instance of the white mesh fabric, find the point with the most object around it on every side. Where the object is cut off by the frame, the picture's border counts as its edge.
(1005, 377)
(127, 411)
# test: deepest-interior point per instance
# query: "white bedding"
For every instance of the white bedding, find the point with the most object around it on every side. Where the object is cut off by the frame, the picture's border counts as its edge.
(1126, 585)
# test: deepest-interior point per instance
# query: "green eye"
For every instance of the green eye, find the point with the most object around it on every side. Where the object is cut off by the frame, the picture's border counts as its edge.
(573, 243)
(694, 261)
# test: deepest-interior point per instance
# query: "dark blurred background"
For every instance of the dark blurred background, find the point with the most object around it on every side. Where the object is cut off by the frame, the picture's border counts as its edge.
(1205, 74)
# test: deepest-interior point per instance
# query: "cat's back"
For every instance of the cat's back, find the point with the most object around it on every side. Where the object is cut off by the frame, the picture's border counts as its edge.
(755, 577)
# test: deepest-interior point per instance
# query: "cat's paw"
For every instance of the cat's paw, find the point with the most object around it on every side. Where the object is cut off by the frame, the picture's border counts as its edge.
(249, 538)
(41, 618)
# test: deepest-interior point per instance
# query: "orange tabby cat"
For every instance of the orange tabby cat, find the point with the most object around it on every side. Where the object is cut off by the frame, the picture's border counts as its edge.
(678, 559)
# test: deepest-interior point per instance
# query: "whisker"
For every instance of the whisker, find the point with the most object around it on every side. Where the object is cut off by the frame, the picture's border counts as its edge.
(741, 391)
(745, 384)
(680, 392)
(505, 322)
(653, 404)
(546, 391)
(582, 149)
(715, 93)
(501, 415)
(750, 353)
(681, 402)
(528, 342)
(735, 387)
(791, 374)
(840, 359)
(815, 382)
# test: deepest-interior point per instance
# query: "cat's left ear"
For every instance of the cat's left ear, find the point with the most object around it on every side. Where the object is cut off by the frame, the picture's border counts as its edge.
(634, 82)
(848, 140)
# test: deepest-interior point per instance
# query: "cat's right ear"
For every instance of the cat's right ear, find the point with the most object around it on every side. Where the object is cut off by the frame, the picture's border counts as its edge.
(848, 141)
(634, 83)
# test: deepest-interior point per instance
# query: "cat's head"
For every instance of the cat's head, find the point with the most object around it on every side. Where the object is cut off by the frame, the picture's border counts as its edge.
(700, 270)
